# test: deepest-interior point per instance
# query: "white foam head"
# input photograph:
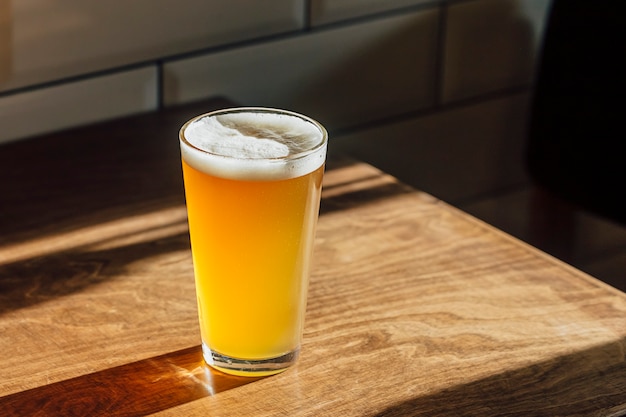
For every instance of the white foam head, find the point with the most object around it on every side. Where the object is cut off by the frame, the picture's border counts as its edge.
(253, 143)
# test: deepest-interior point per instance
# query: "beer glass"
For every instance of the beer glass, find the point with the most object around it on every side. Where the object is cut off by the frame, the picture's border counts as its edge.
(253, 180)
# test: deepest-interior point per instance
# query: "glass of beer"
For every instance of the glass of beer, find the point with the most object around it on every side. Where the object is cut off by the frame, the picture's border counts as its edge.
(253, 179)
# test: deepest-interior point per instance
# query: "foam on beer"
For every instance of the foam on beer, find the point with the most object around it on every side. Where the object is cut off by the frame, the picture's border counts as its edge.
(254, 145)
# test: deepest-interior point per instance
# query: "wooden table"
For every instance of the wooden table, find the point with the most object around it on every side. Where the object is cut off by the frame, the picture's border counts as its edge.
(415, 308)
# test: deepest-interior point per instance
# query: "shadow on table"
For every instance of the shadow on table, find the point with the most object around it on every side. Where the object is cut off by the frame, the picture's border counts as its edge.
(357, 189)
(62, 188)
(586, 383)
(134, 389)
(67, 181)
(42, 278)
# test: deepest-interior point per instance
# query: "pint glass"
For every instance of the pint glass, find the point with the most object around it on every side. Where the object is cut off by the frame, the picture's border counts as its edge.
(252, 180)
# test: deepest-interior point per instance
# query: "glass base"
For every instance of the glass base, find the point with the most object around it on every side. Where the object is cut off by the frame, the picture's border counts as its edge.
(248, 367)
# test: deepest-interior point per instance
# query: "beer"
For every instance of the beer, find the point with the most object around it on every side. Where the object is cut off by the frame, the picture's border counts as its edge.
(252, 184)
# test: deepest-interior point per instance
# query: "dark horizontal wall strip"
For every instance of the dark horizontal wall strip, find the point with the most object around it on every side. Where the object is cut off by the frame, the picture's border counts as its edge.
(77, 78)
(379, 15)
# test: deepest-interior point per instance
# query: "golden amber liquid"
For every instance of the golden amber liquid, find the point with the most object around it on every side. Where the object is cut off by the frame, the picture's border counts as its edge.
(252, 244)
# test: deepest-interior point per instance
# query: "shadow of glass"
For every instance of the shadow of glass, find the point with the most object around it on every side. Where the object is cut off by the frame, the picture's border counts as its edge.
(134, 389)
(586, 383)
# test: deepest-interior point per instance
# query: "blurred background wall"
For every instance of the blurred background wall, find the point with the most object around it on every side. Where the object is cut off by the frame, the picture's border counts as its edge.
(414, 86)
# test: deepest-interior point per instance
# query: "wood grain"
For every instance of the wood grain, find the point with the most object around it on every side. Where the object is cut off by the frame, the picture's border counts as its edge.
(415, 308)
(134, 389)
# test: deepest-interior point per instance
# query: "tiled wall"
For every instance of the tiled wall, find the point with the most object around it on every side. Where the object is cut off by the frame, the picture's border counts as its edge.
(436, 82)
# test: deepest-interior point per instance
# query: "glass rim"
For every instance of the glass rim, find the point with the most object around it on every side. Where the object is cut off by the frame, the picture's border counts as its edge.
(257, 109)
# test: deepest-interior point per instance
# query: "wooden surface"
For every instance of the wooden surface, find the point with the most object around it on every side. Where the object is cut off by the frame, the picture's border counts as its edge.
(415, 308)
